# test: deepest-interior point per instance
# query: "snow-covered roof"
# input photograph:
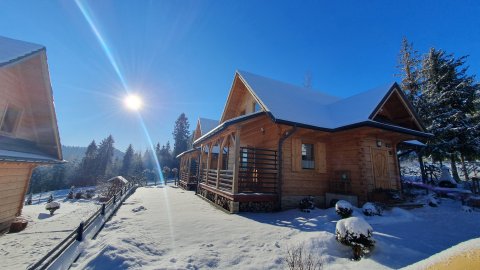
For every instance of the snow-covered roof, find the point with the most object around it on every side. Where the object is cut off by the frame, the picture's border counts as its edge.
(207, 124)
(415, 142)
(15, 156)
(12, 50)
(118, 178)
(297, 104)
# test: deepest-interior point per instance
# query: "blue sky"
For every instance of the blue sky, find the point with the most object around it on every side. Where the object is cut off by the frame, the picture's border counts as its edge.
(181, 55)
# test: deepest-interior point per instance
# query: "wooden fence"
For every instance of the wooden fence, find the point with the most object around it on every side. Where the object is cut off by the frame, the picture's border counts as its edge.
(65, 253)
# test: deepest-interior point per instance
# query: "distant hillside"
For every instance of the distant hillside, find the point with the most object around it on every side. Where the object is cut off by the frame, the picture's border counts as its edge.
(77, 152)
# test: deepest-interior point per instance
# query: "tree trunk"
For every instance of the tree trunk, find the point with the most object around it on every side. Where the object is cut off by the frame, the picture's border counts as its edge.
(464, 168)
(422, 167)
(454, 168)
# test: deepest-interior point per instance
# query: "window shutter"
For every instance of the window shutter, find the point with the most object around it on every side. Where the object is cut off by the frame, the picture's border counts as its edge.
(320, 158)
(296, 154)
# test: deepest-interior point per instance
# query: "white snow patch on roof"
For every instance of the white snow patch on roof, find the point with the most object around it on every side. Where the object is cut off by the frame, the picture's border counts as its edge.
(12, 49)
(311, 107)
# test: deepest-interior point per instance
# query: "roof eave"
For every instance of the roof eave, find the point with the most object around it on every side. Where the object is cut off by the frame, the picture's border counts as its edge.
(226, 124)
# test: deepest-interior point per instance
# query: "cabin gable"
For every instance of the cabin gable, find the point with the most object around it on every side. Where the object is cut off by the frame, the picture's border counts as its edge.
(395, 109)
(26, 105)
(241, 101)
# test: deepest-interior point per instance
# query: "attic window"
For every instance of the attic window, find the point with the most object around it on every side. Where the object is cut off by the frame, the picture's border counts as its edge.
(10, 119)
(256, 107)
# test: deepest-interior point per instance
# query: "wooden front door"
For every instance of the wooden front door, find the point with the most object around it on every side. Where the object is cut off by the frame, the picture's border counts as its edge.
(380, 168)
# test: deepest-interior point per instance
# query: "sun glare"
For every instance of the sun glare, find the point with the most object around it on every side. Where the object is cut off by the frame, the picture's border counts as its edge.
(133, 102)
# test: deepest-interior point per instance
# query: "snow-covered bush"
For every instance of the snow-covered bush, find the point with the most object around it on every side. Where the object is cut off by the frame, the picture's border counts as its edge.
(78, 195)
(307, 204)
(89, 193)
(467, 209)
(52, 207)
(71, 193)
(433, 201)
(344, 209)
(356, 233)
(371, 209)
(298, 258)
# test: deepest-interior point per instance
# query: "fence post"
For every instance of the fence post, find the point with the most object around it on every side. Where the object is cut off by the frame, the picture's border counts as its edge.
(114, 198)
(103, 209)
(80, 232)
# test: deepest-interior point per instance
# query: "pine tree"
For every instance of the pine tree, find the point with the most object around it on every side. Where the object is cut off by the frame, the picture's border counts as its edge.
(138, 174)
(127, 162)
(104, 157)
(448, 106)
(409, 63)
(87, 168)
(148, 160)
(181, 132)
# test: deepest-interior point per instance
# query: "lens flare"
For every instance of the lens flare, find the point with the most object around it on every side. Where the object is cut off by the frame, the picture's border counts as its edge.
(133, 102)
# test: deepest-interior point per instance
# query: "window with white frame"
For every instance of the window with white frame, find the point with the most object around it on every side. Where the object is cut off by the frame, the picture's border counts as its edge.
(308, 159)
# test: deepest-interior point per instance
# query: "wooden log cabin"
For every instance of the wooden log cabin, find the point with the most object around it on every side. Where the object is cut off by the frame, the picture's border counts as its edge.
(189, 159)
(28, 127)
(278, 143)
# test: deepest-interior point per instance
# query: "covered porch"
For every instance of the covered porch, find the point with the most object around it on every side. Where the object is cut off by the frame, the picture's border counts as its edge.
(238, 175)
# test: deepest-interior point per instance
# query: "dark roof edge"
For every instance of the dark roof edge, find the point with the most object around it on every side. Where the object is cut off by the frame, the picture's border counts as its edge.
(11, 61)
(226, 124)
(32, 160)
(370, 123)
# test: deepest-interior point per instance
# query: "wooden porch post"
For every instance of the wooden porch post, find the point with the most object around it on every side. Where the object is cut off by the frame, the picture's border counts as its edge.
(220, 158)
(199, 170)
(209, 156)
(236, 164)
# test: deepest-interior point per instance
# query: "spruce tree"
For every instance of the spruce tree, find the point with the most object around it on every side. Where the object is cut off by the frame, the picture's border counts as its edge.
(104, 157)
(409, 63)
(148, 160)
(448, 106)
(127, 161)
(181, 132)
(87, 168)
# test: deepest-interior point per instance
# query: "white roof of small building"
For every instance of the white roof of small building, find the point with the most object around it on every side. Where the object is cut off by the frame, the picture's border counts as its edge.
(119, 178)
(311, 107)
(12, 50)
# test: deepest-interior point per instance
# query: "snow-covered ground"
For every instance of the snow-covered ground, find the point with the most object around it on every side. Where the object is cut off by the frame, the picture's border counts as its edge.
(168, 228)
(18, 250)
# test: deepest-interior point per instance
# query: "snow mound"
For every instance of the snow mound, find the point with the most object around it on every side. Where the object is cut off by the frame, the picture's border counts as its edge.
(138, 209)
(355, 226)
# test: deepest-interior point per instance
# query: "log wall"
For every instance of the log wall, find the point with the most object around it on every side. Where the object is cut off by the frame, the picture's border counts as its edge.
(14, 179)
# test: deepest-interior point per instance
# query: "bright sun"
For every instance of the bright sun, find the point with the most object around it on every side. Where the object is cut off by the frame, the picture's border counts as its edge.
(133, 102)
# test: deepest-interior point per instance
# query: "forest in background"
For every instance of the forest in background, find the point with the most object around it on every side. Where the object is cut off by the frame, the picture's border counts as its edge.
(96, 163)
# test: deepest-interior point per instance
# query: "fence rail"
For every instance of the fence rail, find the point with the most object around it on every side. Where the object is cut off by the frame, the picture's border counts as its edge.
(105, 211)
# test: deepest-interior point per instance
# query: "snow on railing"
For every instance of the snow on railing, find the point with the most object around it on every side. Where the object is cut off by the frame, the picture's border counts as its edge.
(67, 251)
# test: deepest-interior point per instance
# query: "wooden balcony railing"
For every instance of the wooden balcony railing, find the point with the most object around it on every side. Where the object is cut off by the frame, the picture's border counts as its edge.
(257, 173)
(258, 170)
